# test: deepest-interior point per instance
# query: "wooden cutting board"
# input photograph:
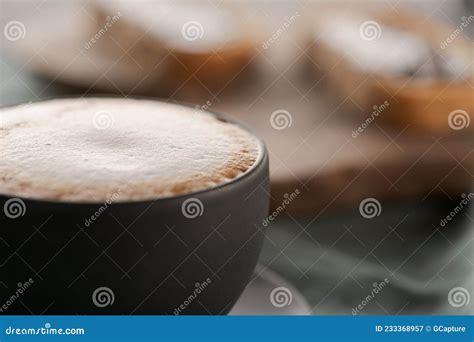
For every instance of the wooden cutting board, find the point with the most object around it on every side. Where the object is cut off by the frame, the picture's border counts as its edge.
(311, 143)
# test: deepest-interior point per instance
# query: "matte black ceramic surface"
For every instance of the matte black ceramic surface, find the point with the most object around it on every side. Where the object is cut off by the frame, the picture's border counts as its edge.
(191, 254)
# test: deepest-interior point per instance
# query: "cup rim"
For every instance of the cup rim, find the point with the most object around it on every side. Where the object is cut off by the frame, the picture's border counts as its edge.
(262, 156)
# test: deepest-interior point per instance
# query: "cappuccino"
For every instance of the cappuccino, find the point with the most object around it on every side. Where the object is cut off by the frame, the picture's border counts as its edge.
(88, 150)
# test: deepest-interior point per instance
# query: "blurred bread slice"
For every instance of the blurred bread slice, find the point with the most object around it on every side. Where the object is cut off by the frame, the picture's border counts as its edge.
(187, 41)
(373, 57)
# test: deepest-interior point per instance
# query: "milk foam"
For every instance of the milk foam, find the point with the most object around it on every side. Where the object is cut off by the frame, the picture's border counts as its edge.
(89, 150)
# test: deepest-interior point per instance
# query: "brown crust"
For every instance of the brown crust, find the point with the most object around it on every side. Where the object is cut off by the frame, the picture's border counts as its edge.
(423, 107)
(214, 68)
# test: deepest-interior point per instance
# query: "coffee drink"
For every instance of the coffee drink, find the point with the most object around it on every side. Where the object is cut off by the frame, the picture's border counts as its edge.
(86, 149)
(121, 206)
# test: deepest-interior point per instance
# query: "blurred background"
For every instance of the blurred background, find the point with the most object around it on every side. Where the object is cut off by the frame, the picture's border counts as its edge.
(365, 108)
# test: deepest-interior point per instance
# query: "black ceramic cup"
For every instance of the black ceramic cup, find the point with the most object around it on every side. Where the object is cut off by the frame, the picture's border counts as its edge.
(191, 254)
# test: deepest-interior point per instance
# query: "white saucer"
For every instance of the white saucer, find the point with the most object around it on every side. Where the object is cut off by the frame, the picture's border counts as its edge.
(270, 294)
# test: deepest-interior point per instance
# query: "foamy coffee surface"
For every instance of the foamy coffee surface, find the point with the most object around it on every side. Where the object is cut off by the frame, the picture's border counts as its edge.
(92, 150)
